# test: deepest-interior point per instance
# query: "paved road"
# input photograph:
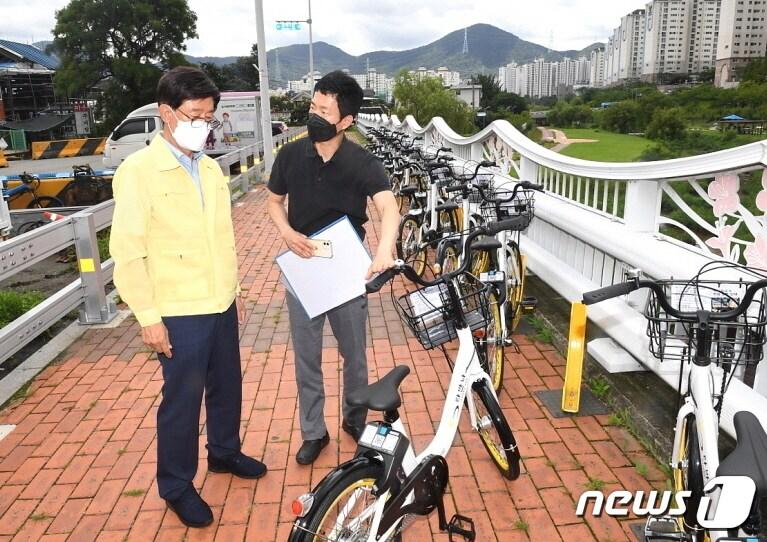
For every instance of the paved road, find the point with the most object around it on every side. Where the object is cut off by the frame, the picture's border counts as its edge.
(51, 165)
(55, 165)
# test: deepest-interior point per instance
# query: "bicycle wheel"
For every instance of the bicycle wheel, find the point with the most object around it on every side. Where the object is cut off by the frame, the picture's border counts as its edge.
(409, 244)
(489, 342)
(340, 515)
(688, 476)
(515, 285)
(41, 202)
(494, 430)
(448, 259)
(448, 221)
(480, 262)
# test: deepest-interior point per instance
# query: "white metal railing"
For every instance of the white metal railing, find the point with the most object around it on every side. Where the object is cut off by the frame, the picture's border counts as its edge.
(598, 220)
(88, 291)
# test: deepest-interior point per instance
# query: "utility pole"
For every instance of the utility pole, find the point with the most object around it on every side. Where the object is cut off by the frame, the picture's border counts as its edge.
(311, 43)
(311, 50)
(263, 79)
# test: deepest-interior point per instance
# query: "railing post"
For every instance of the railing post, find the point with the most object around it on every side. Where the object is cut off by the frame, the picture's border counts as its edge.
(476, 151)
(642, 206)
(96, 309)
(528, 170)
(244, 171)
(5, 220)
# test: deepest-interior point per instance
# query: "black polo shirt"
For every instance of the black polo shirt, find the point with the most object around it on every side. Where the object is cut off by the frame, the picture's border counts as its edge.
(320, 192)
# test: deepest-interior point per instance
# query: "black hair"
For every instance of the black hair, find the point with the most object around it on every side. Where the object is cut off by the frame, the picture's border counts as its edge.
(185, 83)
(346, 90)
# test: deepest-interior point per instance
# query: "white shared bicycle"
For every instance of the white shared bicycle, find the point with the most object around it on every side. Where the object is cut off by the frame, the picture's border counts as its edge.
(705, 324)
(386, 486)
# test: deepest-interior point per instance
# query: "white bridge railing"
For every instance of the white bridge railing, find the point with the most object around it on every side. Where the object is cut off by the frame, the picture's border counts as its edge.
(598, 220)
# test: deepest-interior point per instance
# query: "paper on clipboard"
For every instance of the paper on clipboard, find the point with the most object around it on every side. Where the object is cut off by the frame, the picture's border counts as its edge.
(321, 284)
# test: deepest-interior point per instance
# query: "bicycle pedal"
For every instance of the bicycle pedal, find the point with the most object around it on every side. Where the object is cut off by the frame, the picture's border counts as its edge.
(528, 304)
(664, 528)
(463, 526)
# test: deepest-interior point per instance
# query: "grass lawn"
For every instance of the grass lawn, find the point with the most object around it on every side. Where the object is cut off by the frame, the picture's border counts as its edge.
(609, 148)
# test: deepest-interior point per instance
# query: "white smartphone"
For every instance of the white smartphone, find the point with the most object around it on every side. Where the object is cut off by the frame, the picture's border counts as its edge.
(322, 248)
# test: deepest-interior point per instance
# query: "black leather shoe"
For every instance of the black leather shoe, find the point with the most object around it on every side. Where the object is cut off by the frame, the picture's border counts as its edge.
(191, 509)
(239, 464)
(310, 449)
(354, 430)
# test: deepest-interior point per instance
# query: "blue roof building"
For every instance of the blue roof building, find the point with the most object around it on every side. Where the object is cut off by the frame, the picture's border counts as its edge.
(26, 82)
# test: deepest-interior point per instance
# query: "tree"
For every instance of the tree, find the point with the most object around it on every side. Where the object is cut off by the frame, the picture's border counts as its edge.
(756, 71)
(240, 75)
(299, 111)
(566, 115)
(623, 117)
(667, 125)
(509, 102)
(490, 88)
(427, 98)
(124, 43)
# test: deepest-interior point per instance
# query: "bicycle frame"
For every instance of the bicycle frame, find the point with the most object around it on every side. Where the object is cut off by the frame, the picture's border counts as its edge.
(466, 372)
(503, 238)
(699, 401)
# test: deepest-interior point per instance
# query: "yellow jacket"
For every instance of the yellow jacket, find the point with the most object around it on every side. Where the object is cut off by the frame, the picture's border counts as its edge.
(172, 256)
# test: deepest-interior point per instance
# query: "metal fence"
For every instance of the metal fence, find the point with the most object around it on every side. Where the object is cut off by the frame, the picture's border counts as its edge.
(88, 292)
(15, 139)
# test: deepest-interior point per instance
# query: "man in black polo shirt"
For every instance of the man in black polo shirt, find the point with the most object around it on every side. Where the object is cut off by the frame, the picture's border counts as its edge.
(325, 177)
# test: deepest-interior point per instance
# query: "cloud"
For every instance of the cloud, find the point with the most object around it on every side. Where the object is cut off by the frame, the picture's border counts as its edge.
(227, 27)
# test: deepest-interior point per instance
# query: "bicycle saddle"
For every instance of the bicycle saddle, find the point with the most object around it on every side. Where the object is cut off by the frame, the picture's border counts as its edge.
(381, 396)
(449, 205)
(750, 455)
(408, 190)
(486, 243)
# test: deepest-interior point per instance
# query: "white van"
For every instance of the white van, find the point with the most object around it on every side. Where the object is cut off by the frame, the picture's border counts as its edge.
(240, 113)
(134, 133)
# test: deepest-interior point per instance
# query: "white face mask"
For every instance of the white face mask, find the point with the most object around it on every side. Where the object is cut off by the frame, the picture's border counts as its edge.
(190, 137)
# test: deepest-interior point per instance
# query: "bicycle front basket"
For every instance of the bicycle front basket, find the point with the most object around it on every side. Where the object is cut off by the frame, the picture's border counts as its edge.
(740, 342)
(522, 205)
(430, 314)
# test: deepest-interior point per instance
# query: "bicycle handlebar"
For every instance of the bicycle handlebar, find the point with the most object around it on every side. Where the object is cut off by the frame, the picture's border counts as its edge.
(524, 185)
(609, 292)
(493, 228)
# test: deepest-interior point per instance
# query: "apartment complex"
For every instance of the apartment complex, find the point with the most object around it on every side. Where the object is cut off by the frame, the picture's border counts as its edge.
(542, 78)
(742, 37)
(625, 48)
(680, 37)
(449, 78)
(381, 85)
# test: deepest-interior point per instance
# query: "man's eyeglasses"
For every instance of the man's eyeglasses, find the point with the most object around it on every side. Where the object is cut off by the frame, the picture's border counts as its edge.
(212, 124)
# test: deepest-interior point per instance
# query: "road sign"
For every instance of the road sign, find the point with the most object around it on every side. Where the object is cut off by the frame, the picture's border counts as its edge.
(288, 25)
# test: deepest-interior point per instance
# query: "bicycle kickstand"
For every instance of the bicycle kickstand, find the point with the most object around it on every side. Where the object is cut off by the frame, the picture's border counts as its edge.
(459, 525)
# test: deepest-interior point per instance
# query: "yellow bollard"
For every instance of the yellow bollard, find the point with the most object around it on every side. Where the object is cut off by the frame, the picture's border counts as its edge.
(571, 394)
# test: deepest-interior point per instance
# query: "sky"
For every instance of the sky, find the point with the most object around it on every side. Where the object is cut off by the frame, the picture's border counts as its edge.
(228, 27)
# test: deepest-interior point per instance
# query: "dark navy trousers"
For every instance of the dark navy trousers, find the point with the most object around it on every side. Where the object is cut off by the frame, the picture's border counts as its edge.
(206, 358)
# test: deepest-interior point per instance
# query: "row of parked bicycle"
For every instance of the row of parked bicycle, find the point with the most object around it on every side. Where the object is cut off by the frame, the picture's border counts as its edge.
(459, 249)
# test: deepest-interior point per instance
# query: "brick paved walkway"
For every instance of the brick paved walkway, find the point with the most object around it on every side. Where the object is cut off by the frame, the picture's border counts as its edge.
(80, 464)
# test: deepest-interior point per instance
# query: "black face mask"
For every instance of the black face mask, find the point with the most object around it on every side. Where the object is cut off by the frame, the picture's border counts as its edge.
(319, 129)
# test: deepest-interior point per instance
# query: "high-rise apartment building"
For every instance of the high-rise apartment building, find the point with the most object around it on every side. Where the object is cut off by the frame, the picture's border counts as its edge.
(742, 37)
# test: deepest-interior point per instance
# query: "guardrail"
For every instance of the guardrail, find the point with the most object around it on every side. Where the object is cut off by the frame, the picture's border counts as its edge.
(80, 229)
(599, 220)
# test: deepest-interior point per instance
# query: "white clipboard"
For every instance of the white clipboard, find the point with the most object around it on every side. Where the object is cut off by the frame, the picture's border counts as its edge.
(322, 284)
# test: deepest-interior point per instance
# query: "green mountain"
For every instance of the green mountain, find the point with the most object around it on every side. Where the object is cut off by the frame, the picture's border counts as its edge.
(489, 48)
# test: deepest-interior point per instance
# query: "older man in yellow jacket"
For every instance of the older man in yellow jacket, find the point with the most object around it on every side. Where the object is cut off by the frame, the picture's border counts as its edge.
(176, 267)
